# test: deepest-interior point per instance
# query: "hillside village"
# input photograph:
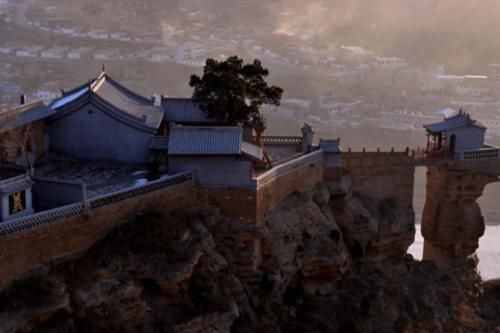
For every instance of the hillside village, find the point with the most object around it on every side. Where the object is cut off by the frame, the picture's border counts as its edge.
(349, 87)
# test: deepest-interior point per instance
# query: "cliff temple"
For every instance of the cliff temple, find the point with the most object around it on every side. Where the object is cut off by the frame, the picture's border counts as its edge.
(101, 137)
(456, 133)
(104, 151)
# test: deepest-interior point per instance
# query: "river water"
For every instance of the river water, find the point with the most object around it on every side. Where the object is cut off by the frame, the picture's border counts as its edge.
(489, 245)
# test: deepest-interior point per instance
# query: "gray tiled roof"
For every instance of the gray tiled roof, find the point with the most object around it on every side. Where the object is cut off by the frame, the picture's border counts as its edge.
(24, 114)
(205, 141)
(184, 110)
(128, 101)
(139, 108)
(457, 121)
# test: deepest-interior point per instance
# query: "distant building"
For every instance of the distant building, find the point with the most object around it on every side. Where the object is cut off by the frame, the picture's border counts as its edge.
(107, 54)
(46, 95)
(5, 49)
(160, 54)
(191, 52)
(29, 52)
(390, 63)
(54, 53)
(79, 53)
(98, 34)
(462, 85)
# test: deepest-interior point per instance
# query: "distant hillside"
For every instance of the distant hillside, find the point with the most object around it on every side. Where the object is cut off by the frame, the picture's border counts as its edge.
(461, 33)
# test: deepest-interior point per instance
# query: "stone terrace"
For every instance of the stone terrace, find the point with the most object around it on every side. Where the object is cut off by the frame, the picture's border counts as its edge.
(100, 177)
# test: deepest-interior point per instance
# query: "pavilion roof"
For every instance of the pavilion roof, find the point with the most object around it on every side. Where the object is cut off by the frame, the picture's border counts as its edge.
(457, 121)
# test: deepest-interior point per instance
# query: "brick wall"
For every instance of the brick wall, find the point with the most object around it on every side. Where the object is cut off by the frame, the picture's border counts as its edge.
(28, 249)
(382, 175)
(251, 205)
(332, 174)
(234, 202)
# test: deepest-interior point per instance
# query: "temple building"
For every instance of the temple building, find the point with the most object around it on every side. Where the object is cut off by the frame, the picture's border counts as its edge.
(454, 134)
(217, 155)
(103, 120)
(101, 138)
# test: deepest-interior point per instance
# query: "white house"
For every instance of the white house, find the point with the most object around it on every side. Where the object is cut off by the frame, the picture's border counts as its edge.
(54, 53)
(30, 51)
(390, 63)
(107, 54)
(78, 53)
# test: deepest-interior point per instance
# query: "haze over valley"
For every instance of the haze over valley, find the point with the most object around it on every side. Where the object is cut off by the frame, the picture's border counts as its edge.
(369, 72)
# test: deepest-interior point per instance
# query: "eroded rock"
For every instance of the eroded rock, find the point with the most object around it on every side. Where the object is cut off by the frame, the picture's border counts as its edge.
(452, 222)
(321, 261)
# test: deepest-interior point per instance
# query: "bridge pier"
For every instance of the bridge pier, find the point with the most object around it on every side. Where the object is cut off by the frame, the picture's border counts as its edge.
(452, 222)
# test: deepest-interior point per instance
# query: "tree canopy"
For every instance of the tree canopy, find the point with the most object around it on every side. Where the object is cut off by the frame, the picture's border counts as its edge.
(233, 92)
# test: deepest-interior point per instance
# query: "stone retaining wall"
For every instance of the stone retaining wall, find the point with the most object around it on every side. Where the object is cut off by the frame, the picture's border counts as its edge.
(36, 246)
(381, 175)
(42, 238)
(234, 202)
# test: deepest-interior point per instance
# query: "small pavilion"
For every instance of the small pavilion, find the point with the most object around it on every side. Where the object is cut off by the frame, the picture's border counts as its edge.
(455, 133)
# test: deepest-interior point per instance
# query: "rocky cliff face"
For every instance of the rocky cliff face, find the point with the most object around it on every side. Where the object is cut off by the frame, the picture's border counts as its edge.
(452, 222)
(329, 261)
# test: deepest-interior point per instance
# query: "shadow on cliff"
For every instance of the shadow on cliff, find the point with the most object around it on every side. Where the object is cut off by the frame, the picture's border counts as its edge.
(325, 261)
